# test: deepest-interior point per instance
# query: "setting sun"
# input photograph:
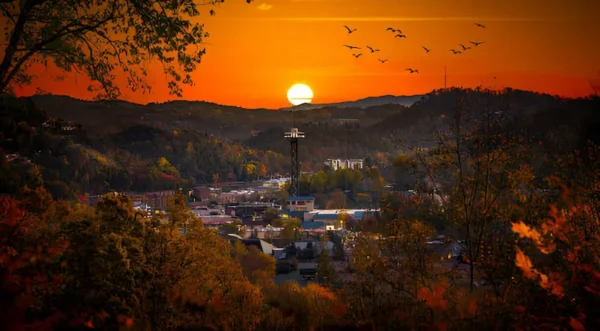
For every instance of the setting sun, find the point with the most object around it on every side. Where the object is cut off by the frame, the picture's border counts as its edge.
(299, 94)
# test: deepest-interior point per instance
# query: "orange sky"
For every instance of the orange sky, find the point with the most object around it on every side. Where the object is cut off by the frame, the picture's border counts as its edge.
(257, 51)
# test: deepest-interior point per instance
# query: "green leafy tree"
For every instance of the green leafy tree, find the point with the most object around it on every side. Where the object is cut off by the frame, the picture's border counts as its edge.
(326, 269)
(270, 214)
(103, 39)
(290, 231)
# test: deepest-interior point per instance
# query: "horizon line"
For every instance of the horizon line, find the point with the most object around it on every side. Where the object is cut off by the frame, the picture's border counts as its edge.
(292, 106)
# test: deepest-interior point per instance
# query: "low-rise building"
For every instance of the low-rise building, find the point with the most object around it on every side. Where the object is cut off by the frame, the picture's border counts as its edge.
(337, 164)
(304, 204)
(248, 209)
(216, 220)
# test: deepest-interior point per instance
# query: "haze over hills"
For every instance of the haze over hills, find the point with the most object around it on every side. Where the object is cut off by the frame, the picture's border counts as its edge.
(383, 100)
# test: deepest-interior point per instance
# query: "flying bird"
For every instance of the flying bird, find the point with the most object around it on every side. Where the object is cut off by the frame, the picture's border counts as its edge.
(393, 30)
(426, 49)
(357, 55)
(480, 25)
(455, 51)
(464, 47)
(400, 36)
(372, 49)
(476, 43)
(351, 47)
(349, 30)
(412, 71)
(382, 61)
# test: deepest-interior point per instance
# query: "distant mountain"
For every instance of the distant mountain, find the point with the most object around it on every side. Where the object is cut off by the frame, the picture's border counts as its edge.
(383, 100)
(350, 129)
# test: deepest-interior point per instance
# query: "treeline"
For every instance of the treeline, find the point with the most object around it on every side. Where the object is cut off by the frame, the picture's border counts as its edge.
(140, 158)
(344, 188)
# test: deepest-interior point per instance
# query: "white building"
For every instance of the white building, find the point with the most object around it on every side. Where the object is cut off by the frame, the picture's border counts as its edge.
(337, 164)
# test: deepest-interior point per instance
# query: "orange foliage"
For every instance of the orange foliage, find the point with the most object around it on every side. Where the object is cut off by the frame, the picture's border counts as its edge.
(25, 255)
(548, 283)
(434, 298)
(576, 325)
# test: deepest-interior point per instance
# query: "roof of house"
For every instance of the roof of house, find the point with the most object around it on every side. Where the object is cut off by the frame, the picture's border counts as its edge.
(300, 198)
(313, 225)
(325, 216)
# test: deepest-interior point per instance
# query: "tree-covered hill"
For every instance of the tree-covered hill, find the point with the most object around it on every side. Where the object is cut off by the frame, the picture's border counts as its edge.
(199, 139)
(139, 157)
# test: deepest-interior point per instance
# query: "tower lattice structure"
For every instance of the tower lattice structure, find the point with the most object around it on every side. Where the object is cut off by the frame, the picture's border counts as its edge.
(293, 135)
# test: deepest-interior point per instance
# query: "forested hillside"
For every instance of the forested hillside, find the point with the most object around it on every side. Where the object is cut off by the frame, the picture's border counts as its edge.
(139, 157)
(122, 146)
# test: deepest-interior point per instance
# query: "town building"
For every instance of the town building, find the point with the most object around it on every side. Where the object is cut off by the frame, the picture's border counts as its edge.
(254, 209)
(337, 164)
(206, 193)
(216, 220)
(303, 204)
(156, 200)
(303, 208)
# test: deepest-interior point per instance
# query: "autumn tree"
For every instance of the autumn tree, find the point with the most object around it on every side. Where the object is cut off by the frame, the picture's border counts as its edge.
(404, 170)
(558, 252)
(292, 307)
(258, 267)
(236, 227)
(338, 200)
(103, 39)
(30, 250)
(488, 186)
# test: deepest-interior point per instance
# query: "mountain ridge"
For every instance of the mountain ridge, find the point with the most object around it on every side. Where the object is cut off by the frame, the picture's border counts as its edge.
(362, 103)
(372, 101)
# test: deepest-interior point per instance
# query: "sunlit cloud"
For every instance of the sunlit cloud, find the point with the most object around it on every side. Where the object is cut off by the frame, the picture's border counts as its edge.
(264, 6)
(415, 19)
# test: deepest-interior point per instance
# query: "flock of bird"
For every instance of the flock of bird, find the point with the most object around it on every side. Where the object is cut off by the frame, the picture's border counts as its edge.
(399, 34)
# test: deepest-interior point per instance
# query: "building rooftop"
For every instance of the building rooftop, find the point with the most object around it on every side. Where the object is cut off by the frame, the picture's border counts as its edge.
(310, 225)
(333, 213)
(300, 198)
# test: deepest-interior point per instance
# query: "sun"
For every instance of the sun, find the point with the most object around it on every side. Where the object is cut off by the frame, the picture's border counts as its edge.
(299, 94)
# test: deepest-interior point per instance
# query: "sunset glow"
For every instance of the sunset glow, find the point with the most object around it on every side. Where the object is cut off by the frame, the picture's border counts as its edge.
(255, 50)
